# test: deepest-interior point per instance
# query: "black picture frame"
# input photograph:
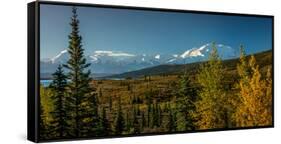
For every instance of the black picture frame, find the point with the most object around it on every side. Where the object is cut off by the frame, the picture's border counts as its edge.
(34, 66)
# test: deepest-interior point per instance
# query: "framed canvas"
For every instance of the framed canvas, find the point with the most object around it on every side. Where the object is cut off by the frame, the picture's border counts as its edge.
(103, 71)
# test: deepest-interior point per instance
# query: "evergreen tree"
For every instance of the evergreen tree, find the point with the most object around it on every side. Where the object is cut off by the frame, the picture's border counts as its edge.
(82, 96)
(136, 123)
(110, 103)
(172, 121)
(128, 122)
(186, 97)
(159, 115)
(143, 120)
(106, 128)
(119, 125)
(211, 110)
(59, 123)
(149, 119)
(155, 115)
(100, 93)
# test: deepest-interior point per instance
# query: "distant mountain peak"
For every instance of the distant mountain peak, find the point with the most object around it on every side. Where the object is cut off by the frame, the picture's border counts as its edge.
(63, 52)
(112, 53)
(224, 51)
(195, 52)
(157, 56)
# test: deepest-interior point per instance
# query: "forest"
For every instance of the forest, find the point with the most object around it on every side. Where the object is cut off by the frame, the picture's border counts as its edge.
(212, 96)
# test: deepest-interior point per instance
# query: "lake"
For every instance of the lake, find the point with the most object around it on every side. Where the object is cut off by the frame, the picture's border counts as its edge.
(45, 83)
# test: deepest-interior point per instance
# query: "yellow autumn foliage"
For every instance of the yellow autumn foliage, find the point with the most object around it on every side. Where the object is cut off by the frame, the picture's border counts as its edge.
(211, 108)
(255, 95)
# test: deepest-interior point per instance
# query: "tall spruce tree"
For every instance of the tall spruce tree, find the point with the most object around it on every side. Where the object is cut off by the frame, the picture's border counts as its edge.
(148, 114)
(143, 120)
(119, 124)
(128, 122)
(186, 97)
(136, 123)
(82, 96)
(106, 128)
(59, 123)
(211, 110)
(171, 125)
(155, 118)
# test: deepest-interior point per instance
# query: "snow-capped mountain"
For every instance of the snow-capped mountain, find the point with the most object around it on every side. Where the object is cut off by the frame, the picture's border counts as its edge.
(61, 57)
(119, 62)
(202, 53)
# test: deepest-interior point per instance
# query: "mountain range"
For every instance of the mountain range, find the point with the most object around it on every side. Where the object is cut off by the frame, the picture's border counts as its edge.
(105, 63)
(263, 59)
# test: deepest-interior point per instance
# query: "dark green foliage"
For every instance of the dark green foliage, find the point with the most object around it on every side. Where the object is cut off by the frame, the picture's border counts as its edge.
(186, 97)
(110, 103)
(59, 126)
(148, 113)
(100, 93)
(143, 120)
(136, 123)
(128, 122)
(172, 126)
(106, 128)
(156, 115)
(119, 124)
(82, 96)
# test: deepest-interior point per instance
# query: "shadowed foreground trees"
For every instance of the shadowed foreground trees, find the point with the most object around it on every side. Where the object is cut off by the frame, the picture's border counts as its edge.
(59, 125)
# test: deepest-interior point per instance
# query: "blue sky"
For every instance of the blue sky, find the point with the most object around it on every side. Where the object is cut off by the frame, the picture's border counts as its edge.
(149, 32)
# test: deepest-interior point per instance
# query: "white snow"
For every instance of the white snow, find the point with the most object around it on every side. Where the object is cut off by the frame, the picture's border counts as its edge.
(194, 52)
(157, 56)
(171, 60)
(175, 55)
(112, 53)
(57, 56)
(94, 58)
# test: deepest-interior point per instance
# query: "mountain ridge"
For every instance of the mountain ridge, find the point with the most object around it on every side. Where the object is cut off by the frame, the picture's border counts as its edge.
(119, 62)
(263, 59)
